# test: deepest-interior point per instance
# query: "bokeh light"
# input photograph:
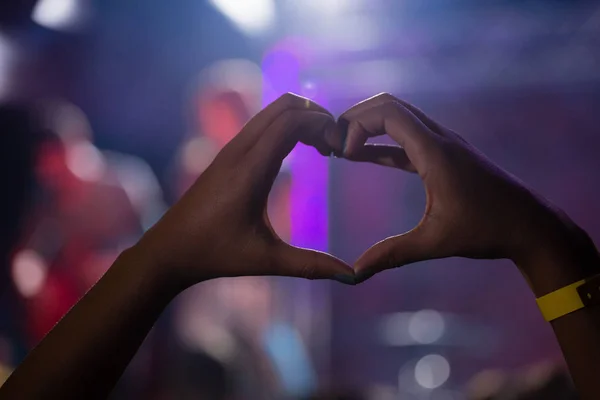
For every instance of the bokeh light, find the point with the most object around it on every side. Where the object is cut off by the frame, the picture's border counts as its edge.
(59, 14)
(85, 161)
(426, 326)
(423, 327)
(29, 272)
(432, 371)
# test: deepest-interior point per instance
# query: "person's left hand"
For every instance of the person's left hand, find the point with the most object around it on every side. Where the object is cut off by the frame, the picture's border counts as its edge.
(220, 227)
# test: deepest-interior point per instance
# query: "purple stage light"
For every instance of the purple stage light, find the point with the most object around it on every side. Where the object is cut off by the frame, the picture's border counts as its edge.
(282, 72)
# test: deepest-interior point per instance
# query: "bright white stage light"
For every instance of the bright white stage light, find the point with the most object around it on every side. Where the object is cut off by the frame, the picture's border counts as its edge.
(251, 16)
(58, 14)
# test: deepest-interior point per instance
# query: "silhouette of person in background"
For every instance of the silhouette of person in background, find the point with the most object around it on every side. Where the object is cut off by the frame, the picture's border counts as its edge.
(89, 207)
(228, 320)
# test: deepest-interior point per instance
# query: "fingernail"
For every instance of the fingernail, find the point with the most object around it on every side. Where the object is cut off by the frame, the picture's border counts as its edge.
(362, 276)
(334, 138)
(343, 125)
(344, 142)
(325, 124)
(346, 279)
(345, 146)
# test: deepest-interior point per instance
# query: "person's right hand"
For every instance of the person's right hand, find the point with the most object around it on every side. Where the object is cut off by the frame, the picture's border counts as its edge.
(220, 227)
(474, 209)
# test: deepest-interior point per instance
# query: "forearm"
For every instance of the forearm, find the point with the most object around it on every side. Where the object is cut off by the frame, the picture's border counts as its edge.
(568, 257)
(85, 354)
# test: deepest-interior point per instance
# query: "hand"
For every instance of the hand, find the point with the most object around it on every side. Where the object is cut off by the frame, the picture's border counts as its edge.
(474, 209)
(220, 227)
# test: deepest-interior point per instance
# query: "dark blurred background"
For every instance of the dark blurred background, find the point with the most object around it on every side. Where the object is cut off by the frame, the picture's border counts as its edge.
(134, 98)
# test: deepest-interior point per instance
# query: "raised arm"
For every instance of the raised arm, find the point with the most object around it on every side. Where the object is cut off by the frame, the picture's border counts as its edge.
(218, 229)
(475, 209)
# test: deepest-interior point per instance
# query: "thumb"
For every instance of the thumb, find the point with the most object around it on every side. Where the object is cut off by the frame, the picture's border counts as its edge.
(311, 264)
(393, 252)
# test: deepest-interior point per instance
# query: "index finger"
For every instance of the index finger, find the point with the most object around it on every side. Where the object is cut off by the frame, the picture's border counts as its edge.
(252, 131)
(383, 98)
(384, 116)
(264, 160)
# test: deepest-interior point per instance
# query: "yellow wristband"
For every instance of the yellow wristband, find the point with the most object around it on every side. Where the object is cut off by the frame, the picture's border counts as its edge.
(561, 302)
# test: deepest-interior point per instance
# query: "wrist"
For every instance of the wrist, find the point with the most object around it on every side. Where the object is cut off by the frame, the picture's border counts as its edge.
(150, 271)
(562, 256)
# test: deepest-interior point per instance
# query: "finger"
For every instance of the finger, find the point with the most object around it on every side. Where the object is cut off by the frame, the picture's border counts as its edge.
(263, 162)
(356, 137)
(252, 131)
(335, 139)
(384, 155)
(382, 98)
(310, 264)
(319, 139)
(432, 124)
(356, 149)
(366, 104)
(396, 251)
(426, 120)
(280, 138)
(339, 138)
(395, 120)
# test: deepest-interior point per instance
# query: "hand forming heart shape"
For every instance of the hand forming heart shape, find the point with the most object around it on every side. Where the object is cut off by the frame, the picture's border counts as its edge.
(474, 209)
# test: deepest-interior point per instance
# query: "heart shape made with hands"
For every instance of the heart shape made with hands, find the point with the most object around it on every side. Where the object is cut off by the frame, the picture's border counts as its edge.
(474, 209)
(220, 227)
